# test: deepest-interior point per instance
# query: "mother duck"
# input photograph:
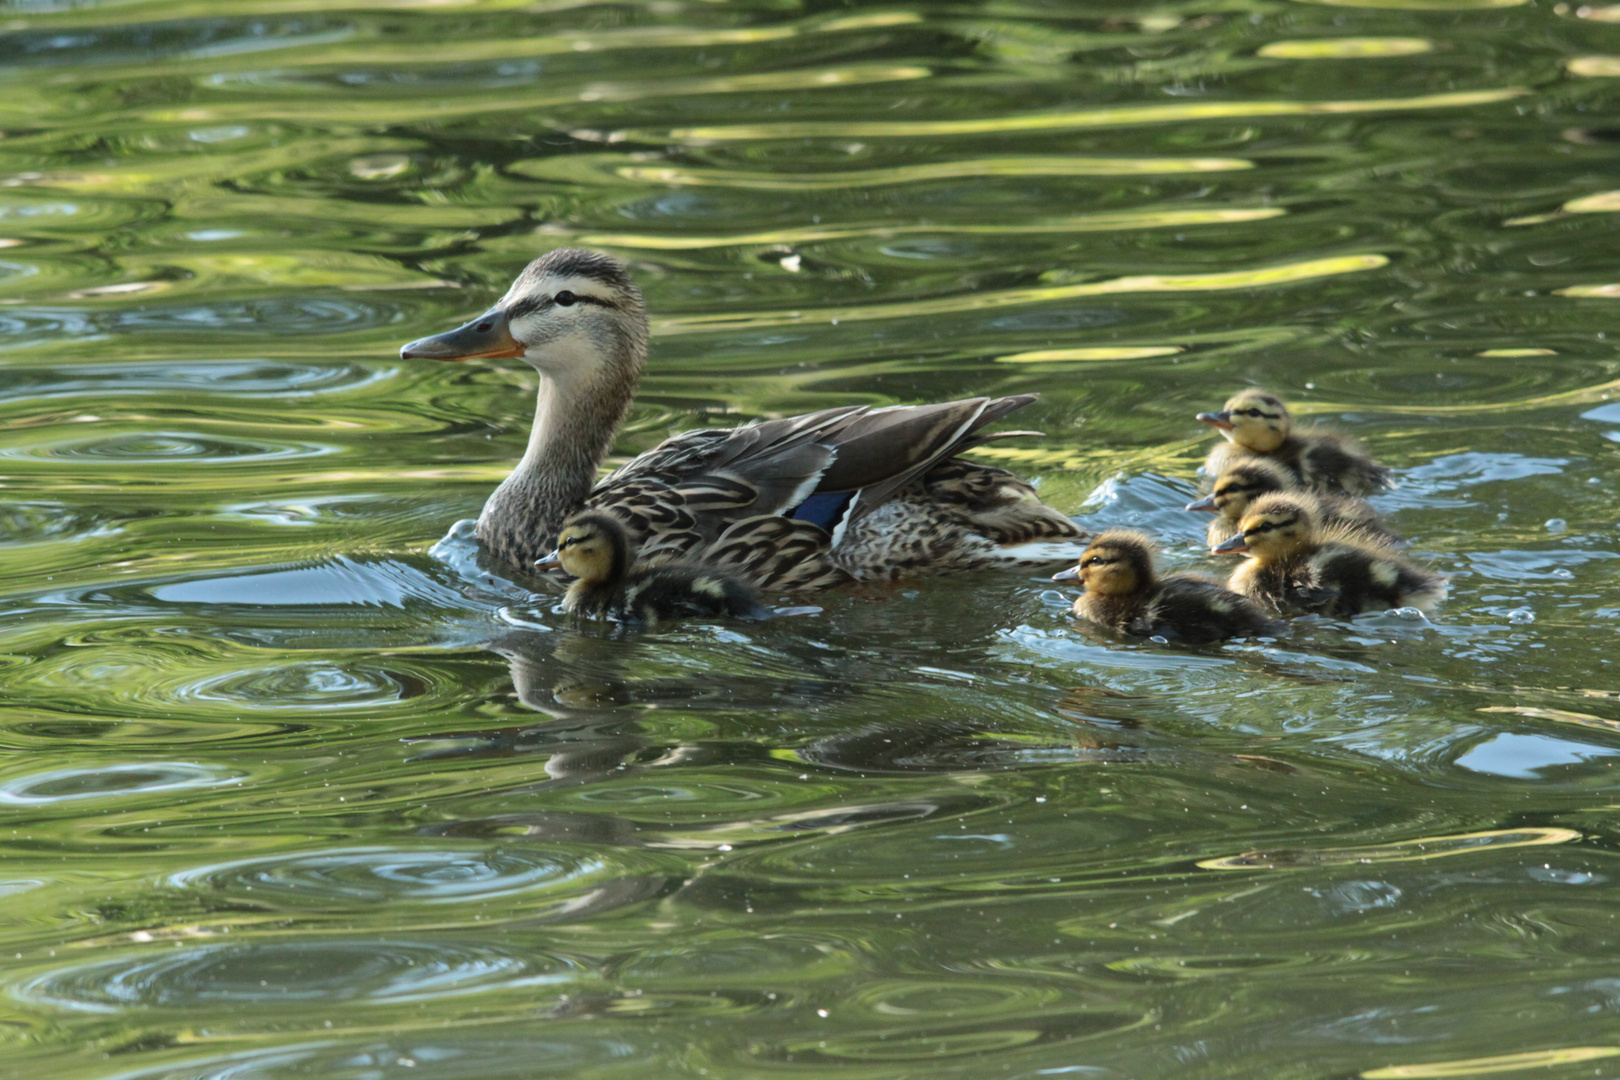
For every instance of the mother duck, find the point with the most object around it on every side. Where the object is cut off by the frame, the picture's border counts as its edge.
(801, 502)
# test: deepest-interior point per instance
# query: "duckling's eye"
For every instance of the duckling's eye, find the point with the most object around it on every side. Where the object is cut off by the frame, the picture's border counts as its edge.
(568, 543)
(564, 299)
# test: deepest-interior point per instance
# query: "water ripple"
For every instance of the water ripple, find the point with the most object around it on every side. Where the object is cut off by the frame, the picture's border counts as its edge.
(1119, 116)
(113, 782)
(235, 975)
(152, 447)
(348, 876)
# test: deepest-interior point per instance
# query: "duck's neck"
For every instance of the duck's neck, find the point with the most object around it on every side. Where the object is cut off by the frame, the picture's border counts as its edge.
(574, 424)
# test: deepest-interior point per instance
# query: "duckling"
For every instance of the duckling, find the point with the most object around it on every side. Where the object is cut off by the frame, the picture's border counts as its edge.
(1258, 425)
(1125, 593)
(595, 548)
(1247, 479)
(1298, 566)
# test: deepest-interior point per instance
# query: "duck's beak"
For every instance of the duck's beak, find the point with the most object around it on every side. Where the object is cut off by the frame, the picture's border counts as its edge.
(1206, 503)
(1232, 545)
(550, 562)
(1071, 574)
(489, 336)
(1221, 420)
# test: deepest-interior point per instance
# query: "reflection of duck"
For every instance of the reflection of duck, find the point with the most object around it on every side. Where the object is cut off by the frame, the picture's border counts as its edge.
(1296, 566)
(1125, 593)
(792, 503)
(1246, 479)
(595, 548)
(1258, 424)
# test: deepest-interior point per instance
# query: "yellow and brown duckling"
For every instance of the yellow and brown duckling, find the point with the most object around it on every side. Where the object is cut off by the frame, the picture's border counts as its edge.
(595, 548)
(1124, 592)
(1246, 479)
(1297, 566)
(1256, 424)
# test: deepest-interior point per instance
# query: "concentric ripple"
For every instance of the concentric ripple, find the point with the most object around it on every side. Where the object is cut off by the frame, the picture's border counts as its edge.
(347, 876)
(212, 976)
(165, 447)
(106, 782)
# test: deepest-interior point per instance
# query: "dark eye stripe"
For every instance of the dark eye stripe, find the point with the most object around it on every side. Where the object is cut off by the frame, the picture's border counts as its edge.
(529, 305)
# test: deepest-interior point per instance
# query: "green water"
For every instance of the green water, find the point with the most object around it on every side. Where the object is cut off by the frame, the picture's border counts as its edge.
(290, 789)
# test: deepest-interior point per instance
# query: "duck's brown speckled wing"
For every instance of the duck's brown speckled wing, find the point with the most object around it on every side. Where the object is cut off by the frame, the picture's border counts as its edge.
(778, 554)
(691, 494)
(959, 516)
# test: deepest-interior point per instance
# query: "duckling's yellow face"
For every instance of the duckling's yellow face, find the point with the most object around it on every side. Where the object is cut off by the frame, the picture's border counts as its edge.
(585, 553)
(1275, 529)
(1255, 421)
(1238, 487)
(1114, 567)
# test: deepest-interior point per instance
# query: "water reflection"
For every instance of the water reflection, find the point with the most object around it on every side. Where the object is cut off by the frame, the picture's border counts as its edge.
(282, 781)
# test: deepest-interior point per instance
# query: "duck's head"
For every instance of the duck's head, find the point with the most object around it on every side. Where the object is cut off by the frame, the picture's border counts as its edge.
(1240, 484)
(1117, 563)
(1254, 420)
(592, 546)
(571, 314)
(1274, 527)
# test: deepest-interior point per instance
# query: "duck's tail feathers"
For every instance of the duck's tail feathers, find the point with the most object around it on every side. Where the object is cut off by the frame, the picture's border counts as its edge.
(882, 451)
(1041, 552)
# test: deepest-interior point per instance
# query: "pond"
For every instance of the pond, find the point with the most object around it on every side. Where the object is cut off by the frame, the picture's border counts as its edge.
(293, 786)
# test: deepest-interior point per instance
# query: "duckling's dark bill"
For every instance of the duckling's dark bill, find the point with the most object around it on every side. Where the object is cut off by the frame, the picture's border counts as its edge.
(1071, 574)
(550, 562)
(1206, 503)
(1222, 420)
(1235, 546)
(486, 337)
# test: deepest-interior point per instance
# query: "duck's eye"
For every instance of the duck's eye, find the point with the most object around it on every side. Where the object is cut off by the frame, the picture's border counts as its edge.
(565, 298)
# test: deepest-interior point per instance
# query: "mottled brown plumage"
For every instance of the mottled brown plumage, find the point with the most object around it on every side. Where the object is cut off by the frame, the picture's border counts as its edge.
(1259, 425)
(1297, 566)
(1123, 591)
(854, 492)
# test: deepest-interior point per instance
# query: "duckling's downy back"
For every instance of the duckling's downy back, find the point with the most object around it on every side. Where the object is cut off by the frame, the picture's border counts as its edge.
(677, 590)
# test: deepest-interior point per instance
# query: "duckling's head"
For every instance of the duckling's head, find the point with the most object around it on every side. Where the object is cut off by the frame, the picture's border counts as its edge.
(1239, 484)
(572, 314)
(1275, 527)
(593, 547)
(1255, 421)
(1117, 563)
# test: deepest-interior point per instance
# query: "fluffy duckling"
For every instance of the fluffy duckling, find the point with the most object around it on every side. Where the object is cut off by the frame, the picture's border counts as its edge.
(1256, 424)
(595, 548)
(1125, 593)
(1247, 479)
(1298, 566)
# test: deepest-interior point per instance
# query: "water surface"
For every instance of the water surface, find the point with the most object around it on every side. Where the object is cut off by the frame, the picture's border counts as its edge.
(292, 788)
